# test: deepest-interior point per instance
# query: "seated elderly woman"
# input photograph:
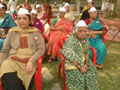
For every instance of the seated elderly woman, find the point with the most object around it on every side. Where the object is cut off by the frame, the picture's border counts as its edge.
(6, 22)
(80, 71)
(35, 21)
(61, 27)
(45, 19)
(18, 59)
(95, 40)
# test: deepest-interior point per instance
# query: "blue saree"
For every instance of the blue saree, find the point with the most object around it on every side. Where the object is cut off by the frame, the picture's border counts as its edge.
(6, 23)
(97, 42)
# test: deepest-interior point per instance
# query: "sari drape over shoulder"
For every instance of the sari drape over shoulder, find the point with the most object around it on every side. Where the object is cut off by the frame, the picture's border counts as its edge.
(58, 34)
(97, 43)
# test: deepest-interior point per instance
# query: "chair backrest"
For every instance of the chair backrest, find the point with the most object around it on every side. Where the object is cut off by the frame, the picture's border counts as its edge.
(62, 41)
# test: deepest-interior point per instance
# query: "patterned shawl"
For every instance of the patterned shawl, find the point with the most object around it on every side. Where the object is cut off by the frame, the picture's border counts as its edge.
(72, 51)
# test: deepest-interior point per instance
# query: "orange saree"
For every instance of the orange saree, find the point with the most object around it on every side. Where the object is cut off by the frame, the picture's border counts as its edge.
(56, 36)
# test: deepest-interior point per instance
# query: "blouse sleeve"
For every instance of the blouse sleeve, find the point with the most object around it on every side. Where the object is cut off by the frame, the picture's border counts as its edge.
(54, 22)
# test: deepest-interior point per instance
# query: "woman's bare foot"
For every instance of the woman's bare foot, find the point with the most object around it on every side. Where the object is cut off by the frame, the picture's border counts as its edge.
(99, 66)
(50, 60)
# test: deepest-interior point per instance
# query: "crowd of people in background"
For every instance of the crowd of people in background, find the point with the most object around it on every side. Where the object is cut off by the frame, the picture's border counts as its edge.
(26, 33)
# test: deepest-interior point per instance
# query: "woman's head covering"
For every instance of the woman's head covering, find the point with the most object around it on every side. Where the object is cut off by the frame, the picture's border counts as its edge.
(81, 23)
(66, 4)
(93, 9)
(62, 9)
(89, 1)
(23, 11)
(34, 11)
(38, 6)
(1, 5)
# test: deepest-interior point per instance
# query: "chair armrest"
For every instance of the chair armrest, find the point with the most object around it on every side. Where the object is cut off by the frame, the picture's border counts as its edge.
(94, 55)
(38, 77)
(104, 38)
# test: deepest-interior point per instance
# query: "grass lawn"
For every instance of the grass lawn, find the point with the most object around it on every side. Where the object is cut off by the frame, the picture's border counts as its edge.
(108, 78)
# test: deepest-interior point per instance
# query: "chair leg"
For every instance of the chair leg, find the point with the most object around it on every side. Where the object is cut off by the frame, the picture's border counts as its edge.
(64, 84)
(0, 87)
(59, 70)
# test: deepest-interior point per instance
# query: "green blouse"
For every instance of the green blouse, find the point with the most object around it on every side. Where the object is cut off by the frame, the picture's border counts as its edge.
(54, 22)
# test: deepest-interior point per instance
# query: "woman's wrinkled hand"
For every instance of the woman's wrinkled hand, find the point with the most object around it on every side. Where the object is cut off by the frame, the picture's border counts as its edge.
(83, 69)
(93, 35)
(29, 67)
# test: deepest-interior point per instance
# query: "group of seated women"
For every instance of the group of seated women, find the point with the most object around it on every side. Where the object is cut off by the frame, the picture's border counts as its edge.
(24, 44)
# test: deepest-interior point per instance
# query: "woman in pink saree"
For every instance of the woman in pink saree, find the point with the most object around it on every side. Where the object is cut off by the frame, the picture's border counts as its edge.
(62, 28)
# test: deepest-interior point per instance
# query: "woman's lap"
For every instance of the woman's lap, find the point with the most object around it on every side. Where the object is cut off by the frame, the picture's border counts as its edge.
(100, 47)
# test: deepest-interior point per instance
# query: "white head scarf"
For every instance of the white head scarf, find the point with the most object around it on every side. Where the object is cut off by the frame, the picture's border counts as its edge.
(66, 4)
(38, 6)
(93, 9)
(89, 1)
(81, 23)
(62, 9)
(1, 6)
(23, 11)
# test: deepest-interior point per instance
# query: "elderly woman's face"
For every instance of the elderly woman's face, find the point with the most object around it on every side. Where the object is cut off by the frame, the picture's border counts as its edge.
(67, 8)
(2, 12)
(61, 14)
(23, 21)
(81, 32)
(89, 5)
(93, 14)
(33, 16)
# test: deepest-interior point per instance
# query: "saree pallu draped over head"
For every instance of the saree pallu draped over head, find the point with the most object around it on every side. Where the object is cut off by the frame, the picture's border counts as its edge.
(56, 36)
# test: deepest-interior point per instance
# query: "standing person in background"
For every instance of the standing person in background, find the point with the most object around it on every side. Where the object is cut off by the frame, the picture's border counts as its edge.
(47, 9)
(28, 6)
(69, 14)
(6, 22)
(55, 7)
(35, 21)
(12, 6)
(85, 14)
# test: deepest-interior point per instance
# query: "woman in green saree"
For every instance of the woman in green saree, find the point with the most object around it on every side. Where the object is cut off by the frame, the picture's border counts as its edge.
(80, 71)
